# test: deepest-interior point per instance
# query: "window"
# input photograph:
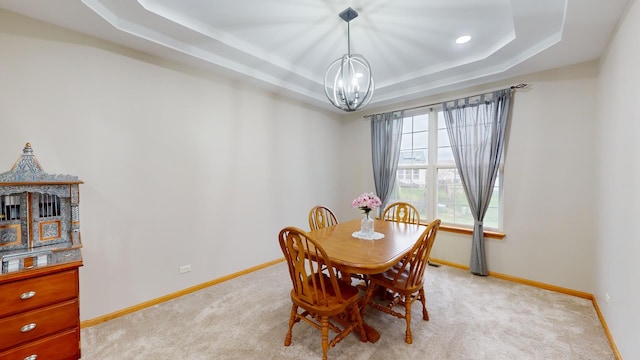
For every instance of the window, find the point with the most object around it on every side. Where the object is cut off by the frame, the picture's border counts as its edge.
(48, 205)
(9, 207)
(427, 176)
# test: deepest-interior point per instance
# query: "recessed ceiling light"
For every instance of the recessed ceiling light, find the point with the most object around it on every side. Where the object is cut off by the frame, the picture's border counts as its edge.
(463, 39)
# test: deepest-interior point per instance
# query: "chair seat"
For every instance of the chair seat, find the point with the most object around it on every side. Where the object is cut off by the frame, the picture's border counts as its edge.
(388, 279)
(331, 304)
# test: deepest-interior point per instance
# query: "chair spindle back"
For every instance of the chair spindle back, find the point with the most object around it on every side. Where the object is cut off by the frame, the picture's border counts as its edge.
(321, 217)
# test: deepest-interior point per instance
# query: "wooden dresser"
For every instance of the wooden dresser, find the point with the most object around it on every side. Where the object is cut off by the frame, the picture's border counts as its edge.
(40, 257)
(39, 314)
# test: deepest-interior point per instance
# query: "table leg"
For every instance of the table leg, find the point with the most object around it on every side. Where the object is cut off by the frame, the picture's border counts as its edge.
(372, 334)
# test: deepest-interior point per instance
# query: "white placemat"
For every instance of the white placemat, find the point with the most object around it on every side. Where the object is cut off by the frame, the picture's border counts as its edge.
(361, 235)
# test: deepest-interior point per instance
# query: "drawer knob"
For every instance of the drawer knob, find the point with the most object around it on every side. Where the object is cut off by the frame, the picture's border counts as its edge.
(31, 357)
(28, 327)
(27, 295)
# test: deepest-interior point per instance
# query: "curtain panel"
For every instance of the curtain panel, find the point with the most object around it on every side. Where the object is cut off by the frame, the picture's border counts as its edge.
(476, 126)
(386, 135)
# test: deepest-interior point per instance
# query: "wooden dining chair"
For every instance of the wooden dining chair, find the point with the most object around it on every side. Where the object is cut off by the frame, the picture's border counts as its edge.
(327, 303)
(321, 217)
(405, 281)
(402, 212)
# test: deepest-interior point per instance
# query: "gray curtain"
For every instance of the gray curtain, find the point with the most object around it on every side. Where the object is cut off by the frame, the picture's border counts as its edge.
(386, 135)
(476, 127)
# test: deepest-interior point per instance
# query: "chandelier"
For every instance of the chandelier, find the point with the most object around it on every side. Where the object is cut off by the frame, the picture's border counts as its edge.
(348, 83)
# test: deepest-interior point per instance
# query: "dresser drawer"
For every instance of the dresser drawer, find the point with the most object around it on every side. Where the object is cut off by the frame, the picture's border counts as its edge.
(20, 328)
(21, 295)
(61, 346)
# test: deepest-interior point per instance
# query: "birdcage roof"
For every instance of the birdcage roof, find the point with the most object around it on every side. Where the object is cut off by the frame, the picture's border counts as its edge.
(27, 169)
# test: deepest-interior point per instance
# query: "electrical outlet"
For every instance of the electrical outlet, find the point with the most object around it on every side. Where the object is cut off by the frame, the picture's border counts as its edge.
(607, 298)
(184, 269)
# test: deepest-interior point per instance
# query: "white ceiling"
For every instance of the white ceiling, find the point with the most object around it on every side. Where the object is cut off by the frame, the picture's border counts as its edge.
(286, 45)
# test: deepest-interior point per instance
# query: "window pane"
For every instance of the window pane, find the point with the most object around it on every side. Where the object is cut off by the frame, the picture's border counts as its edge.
(492, 217)
(443, 138)
(441, 123)
(412, 189)
(407, 125)
(421, 122)
(406, 142)
(445, 156)
(421, 140)
(424, 157)
(416, 157)
(452, 202)
(451, 199)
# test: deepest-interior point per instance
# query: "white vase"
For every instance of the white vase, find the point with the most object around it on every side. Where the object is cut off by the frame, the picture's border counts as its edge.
(366, 225)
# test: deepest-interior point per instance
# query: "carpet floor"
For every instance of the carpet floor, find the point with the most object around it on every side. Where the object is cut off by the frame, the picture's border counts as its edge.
(471, 317)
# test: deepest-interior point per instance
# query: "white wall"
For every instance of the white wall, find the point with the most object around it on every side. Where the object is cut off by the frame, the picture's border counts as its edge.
(180, 167)
(617, 264)
(548, 180)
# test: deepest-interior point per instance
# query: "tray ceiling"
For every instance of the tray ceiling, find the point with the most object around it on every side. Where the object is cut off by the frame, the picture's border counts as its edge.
(285, 46)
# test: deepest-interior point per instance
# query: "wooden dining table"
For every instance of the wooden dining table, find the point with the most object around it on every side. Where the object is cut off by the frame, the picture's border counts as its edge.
(359, 256)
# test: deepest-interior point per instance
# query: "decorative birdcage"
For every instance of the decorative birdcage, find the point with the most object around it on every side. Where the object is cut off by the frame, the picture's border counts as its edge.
(39, 216)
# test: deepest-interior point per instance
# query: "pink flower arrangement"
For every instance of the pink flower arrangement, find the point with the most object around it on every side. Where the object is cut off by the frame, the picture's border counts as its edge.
(366, 202)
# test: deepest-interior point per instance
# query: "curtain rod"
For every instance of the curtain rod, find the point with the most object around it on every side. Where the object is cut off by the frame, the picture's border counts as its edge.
(517, 86)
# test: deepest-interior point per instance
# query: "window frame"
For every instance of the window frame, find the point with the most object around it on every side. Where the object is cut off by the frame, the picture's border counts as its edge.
(431, 169)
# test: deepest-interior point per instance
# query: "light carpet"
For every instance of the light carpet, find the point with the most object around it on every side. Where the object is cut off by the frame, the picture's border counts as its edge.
(471, 317)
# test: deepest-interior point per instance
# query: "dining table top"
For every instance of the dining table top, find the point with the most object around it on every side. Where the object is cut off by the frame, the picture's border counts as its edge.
(361, 256)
